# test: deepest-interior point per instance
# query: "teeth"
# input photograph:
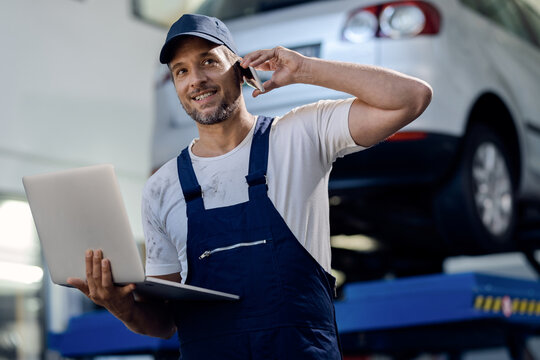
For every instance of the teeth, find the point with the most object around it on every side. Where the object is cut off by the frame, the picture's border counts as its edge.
(204, 96)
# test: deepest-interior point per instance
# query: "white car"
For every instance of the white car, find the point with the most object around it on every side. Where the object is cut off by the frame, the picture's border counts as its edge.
(452, 181)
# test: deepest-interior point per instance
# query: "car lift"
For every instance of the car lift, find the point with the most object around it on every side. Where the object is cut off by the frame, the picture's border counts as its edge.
(439, 314)
(401, 318)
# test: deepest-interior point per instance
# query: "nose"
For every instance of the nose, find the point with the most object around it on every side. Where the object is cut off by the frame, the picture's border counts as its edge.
(197, 78)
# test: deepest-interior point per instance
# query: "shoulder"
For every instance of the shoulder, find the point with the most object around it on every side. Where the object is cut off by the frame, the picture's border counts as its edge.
(320, 129)
(314, 118)
(318, 109)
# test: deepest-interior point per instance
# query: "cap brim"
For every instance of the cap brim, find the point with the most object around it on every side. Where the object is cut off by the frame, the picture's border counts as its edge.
(167, 51)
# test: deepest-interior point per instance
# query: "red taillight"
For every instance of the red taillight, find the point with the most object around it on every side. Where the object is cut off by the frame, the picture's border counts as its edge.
(398, 19)
(408, 136)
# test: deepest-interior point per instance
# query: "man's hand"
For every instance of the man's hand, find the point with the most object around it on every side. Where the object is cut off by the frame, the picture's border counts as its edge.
(100, 289)
(152, 318)
(287, 65)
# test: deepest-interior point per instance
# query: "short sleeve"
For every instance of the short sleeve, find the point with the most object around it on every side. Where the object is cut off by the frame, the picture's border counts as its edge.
(333, 129)
(161, 253)
(326, 122)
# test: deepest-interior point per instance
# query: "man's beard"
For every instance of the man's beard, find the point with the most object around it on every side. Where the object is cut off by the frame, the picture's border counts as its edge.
(222, 113)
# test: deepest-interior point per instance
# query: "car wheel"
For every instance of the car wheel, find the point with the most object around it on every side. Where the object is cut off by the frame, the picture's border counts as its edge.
(476, 210)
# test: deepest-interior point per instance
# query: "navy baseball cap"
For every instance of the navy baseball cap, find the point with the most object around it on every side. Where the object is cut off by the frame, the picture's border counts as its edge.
(206, 27)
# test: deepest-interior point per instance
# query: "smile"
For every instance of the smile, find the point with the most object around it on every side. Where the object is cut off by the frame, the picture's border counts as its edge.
(204, 95)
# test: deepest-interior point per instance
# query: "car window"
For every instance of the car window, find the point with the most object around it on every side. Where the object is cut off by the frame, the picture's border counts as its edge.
(164, 13)
(531, 11)
(504, 13)
(229, 9)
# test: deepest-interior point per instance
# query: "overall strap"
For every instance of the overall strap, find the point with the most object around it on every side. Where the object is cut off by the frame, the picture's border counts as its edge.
(258, 157)
(188, 181)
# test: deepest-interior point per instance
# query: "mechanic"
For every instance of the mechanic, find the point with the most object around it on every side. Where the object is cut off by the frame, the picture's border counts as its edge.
(244, 209)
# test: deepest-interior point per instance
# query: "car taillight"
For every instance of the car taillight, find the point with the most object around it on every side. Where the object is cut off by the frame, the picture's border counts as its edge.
(398, 19)
(408, 136)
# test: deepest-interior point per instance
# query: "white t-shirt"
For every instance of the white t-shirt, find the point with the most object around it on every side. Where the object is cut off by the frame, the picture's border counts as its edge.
(303, 145)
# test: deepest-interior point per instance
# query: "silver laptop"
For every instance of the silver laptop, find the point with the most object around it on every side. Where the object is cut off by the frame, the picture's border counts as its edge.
(79, 209)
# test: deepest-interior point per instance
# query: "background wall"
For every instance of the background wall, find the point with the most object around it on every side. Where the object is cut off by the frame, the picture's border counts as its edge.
(76, 89)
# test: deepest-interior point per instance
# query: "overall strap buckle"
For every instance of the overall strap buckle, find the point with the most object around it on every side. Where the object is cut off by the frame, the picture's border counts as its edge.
(256, 179)
(192, 194)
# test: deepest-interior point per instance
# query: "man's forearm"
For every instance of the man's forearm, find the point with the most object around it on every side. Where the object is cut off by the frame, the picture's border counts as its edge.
(378, 87)
(386, 100)
(149, 318)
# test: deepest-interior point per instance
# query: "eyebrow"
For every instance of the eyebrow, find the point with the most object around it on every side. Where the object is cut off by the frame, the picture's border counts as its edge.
(201, 55)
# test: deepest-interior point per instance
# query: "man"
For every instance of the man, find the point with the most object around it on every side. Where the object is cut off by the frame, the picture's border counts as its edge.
(244, 209)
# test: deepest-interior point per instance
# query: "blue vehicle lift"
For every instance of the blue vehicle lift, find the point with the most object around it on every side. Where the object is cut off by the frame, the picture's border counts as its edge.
(439, 314)
(401, 318)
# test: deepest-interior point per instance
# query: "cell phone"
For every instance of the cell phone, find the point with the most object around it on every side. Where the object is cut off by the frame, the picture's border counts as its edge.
(251, 78)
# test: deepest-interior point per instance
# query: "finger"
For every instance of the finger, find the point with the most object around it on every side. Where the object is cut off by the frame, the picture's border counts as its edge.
(126, 290)
(258, 57)
(266, 66)
(79, 284)
(96, 271)
(262, 58)
(258, 92)
(106, 279)
(106, 274)
(269, 85)
(248, 58)
(88, 260)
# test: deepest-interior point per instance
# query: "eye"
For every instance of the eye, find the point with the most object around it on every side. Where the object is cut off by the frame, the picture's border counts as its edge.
(179, 72)
(209, 61)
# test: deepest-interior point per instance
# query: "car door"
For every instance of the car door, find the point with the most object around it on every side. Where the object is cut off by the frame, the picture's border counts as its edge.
(513, 56)
(530, 10)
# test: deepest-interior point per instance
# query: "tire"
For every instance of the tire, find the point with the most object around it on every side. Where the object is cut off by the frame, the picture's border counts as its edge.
(476, 210)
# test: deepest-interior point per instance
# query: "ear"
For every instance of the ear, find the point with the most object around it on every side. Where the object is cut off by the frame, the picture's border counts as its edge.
(238, 70)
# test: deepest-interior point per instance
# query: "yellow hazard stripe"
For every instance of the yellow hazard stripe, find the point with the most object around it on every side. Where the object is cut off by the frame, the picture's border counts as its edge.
(497, 304)
(515, 305)
(488, 302)
(531, 307)
(521, 306)
(478, 302)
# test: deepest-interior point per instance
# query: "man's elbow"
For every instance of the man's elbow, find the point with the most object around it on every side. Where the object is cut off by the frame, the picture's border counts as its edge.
(421, 98)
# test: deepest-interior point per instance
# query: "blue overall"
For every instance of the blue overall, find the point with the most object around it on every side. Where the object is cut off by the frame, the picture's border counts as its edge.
(286, 309)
